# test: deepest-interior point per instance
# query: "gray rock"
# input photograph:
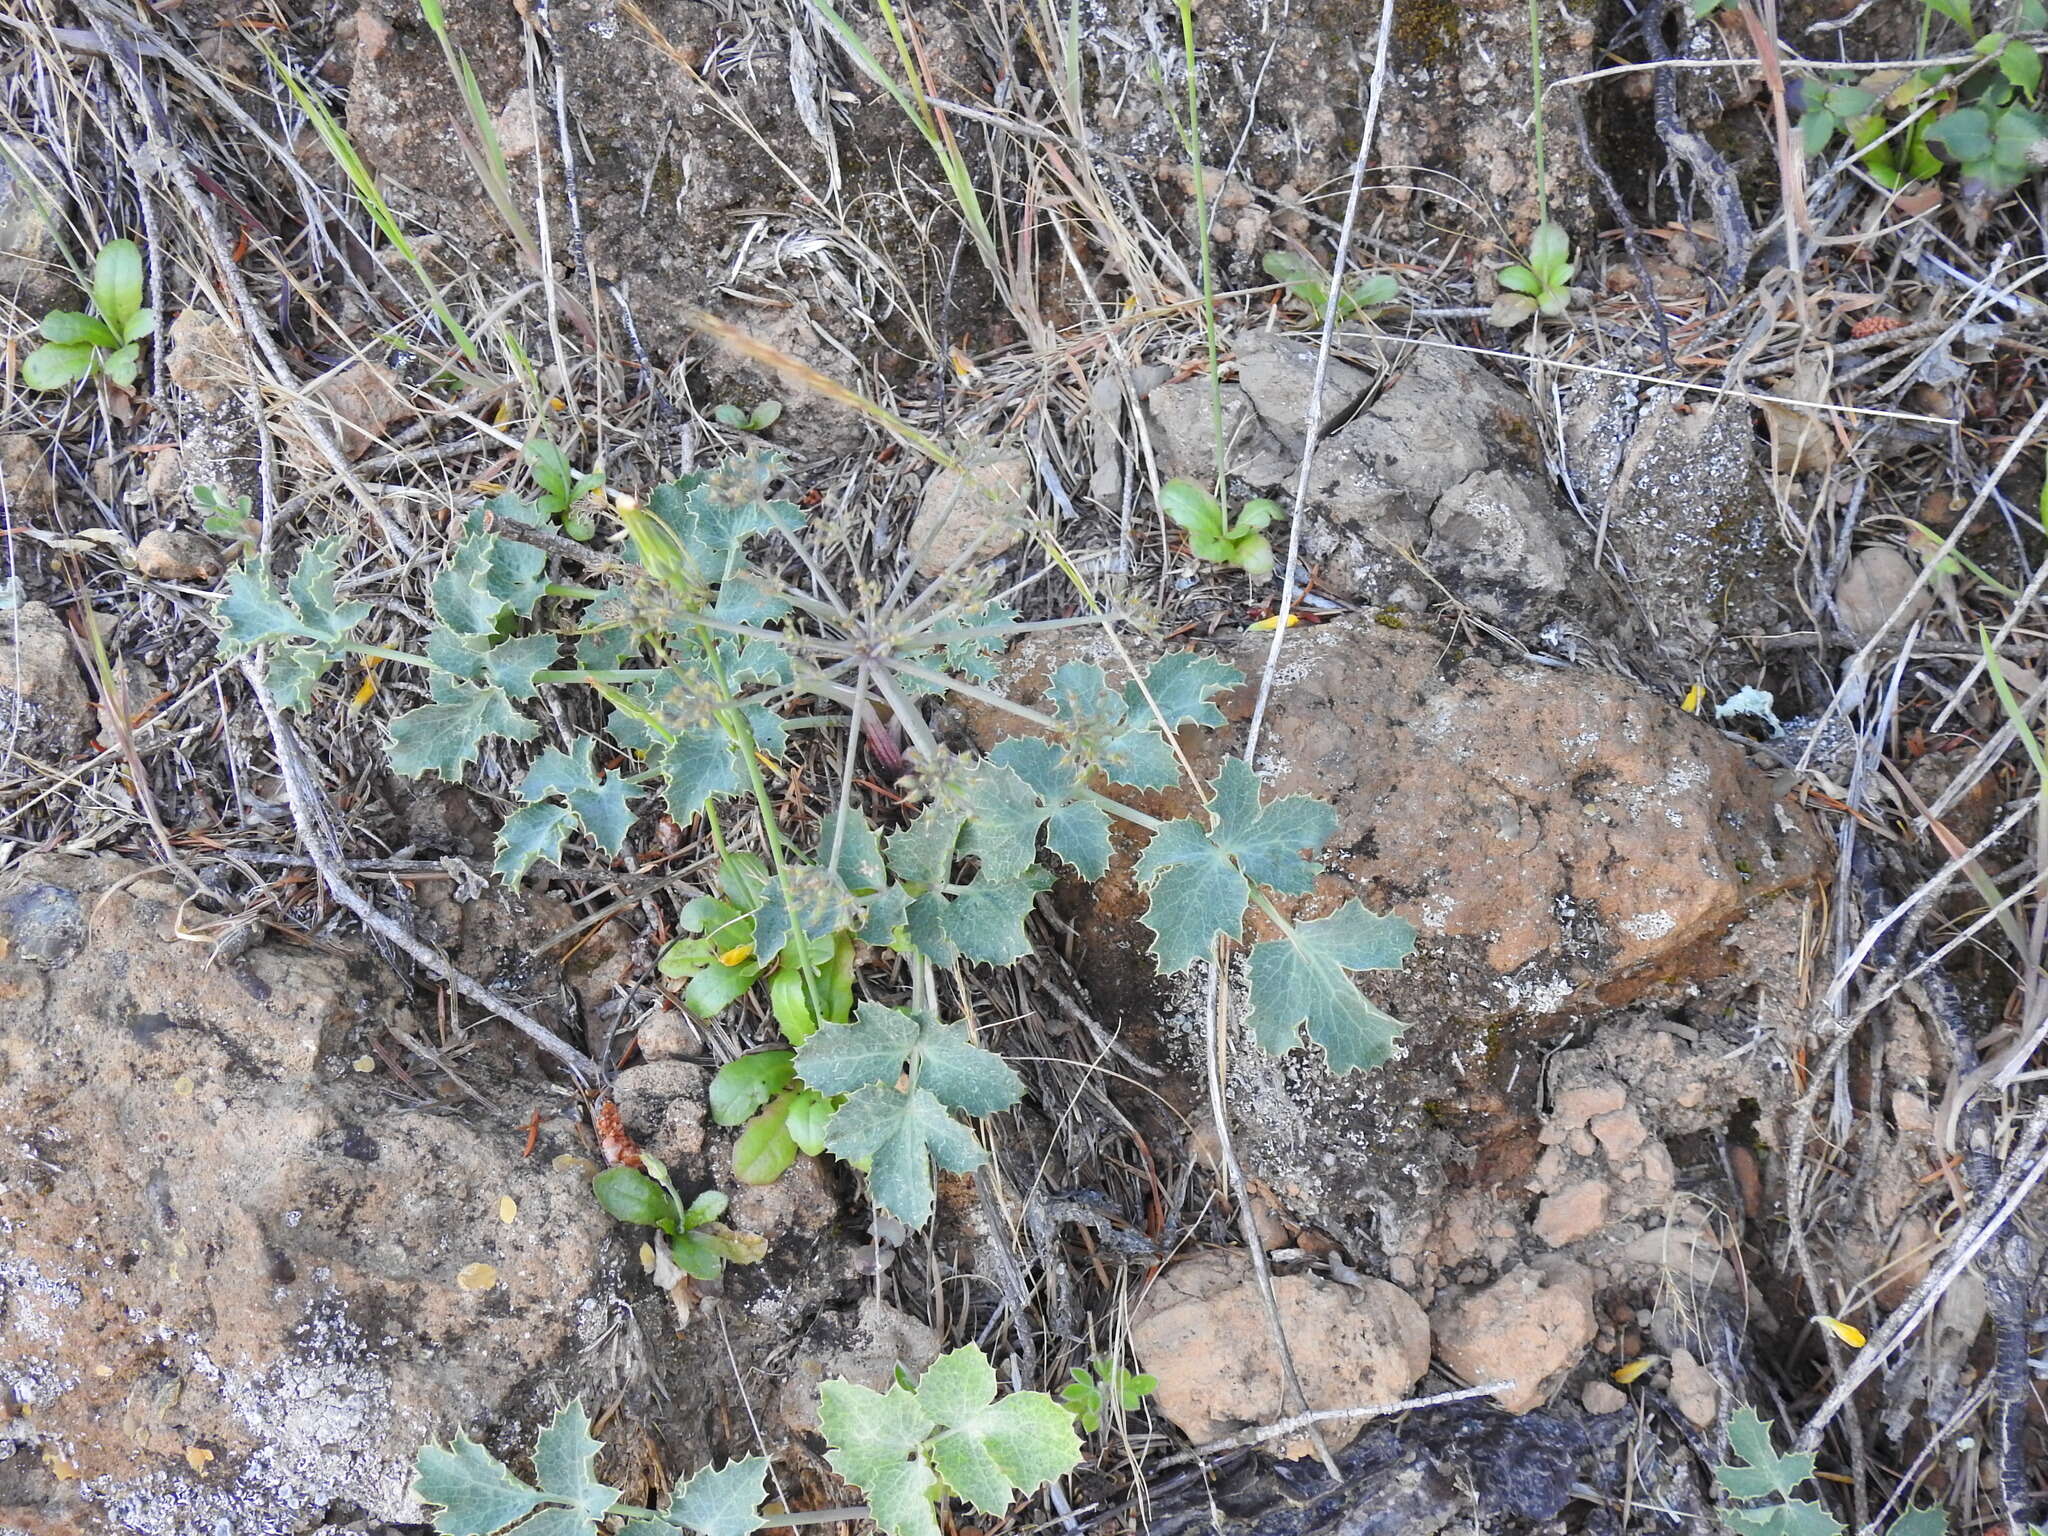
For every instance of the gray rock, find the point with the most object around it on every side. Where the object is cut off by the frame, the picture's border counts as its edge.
(32, 199)
(1678, 482)
(1878, 582)
(1426, 458)
(241, 1282)
(45, 711)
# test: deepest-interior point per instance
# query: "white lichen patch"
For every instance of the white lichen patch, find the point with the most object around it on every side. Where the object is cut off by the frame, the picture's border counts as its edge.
(1648, 926)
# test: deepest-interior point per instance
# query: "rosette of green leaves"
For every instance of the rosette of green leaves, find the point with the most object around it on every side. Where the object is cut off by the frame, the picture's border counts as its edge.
(1216, 536)
(108, 341)
(698, 1242)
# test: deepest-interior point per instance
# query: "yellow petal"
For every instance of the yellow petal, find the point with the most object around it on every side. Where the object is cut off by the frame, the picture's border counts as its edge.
(647, 1257)
(476, 1277)
(1274, 622)
(1695, 696)
(736, 954)
(1636, 1368)
(508, 1209)
(1848, 1334)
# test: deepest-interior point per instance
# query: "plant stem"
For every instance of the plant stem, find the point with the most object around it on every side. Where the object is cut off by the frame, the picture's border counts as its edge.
(1536, 86)
(1202, 248)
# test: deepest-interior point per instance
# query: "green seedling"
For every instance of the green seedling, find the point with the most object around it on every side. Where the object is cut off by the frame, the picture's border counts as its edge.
(698, 1243)
(759, 419)
(226, 519)
(1309, 285)
(1094, 1388)
(1541, 285)
(1214, 535)
(949, 1435)
(564, 492)
(108, 341)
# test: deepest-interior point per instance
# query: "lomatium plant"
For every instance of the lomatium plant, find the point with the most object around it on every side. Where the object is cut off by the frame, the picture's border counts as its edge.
(713, 639)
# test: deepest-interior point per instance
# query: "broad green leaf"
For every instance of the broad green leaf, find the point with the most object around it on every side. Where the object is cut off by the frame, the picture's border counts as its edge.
(723, 1501)
(803, 908)
(599, 800)
(1002, 832)
(509, 664)
(1198, 879)
(1957, 11)
(122, 365)
(873, 1049)
(708, 1206)
(552, 1520)
(1549, 248)
(882, 1042)
(745, 597)
(530, 835)
(860, 866)
(67, 327)
(253, 614)
(1767, 1472)
(765, 1150)
(697, 765)
(476, 1493)
(1964, 135)
(1519, 279)
(717, 987)
(322, 613)
(564, 1464)
(1181, 683)
(1077, 829)
(991, 1451)
(117, 282)
(743, 1085)
(874, 1442)
(923, 851)
(488, 578)
(985, 921)
(968, 645)
(1793, 1517)
(294, 670)
(1141, 759)
(140, 324)
(444, 737)
(631, 1196)
(1191, 507)
(809, 1118)
(54, 367)
(1303, 977)
(1816, 128)
(902, 1134)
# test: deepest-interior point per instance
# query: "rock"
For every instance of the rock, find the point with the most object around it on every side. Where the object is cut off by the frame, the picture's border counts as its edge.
(668, 1034)
(663, 1106)
(1203, 1331)
(1678, 482)
(32, 204)
(1431, 456)
(357, 403)
(1694, 1391)
(242, 1282)
(1526, 1329)
(1598, 1397)
(970, 515)
(518, 125)
(25, 479)
(171, 554)
(1878, 581)
(865, 1347)
(45, 710)
(206, 360)
(1562, 841)
(1574, 1212)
